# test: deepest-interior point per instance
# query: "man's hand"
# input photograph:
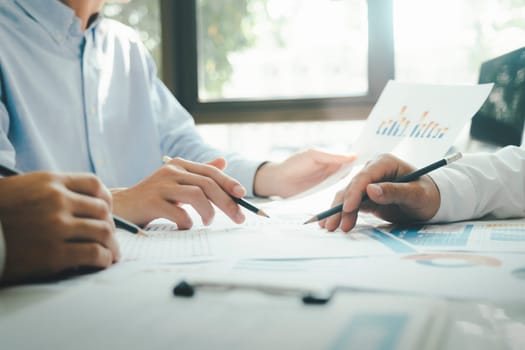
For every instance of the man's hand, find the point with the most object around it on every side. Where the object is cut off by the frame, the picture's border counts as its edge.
(55, 222)
(298, 173)
(395, 202)
(181, 182)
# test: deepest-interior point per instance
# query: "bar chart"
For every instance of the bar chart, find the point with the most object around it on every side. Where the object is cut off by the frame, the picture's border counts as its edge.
(401, 127)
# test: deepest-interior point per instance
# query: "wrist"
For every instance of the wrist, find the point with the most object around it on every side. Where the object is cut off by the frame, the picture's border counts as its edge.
(265, 183)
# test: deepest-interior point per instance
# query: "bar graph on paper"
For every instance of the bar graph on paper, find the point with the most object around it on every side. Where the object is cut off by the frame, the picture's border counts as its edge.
(501, 236)
(403, 126)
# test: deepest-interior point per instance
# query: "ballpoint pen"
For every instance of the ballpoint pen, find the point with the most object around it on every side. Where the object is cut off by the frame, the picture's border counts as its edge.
(119, 222)
(240, 201)
(407, 178)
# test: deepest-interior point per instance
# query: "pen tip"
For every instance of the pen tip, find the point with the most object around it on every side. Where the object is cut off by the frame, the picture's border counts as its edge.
(262, 213)
(310, 220)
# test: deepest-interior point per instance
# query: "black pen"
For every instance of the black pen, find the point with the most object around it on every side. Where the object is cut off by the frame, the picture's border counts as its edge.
(407, 178)
(240, 201)
(119, 222)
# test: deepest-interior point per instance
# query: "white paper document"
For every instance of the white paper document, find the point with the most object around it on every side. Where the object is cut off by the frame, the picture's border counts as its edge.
(271, 240)
(142, 313)
(418, 122)
(482, 276)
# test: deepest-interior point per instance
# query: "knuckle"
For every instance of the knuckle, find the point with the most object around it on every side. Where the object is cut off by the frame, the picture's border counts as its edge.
(56, 196)
(207, 183)
(61, 221)
(101, 208)
(212, 171)
(195, 192)
(48, 177)
(177, 161)
(384, 156)
(105, 231)
(94, 253)
(167, 170)
(93, 182)
(170, 170)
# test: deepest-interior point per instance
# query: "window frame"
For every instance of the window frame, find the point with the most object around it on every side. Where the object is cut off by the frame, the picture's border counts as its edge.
(180, 73)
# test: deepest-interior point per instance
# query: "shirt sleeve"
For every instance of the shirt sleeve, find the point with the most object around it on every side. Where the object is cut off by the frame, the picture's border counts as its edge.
(2, 252)
(180, 138)
(488, 185)
(7, 151)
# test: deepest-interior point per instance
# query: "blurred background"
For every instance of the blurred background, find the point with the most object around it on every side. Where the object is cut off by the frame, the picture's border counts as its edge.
(306, 73)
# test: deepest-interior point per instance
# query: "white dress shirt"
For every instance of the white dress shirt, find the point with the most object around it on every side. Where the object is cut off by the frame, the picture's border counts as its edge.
(482, 184)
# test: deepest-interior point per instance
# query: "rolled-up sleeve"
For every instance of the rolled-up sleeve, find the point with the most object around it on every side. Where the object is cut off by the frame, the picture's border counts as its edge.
(180, 138)
(7, 152)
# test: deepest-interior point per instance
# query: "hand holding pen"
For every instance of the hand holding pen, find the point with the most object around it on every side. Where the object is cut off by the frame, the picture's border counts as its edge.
(54, 222)
(397, 193)
(242, 202)
(119, 222)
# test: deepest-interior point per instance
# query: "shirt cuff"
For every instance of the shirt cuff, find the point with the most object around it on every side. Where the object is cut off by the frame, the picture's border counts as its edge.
(457, 195)
(2, 252)
(244, 172)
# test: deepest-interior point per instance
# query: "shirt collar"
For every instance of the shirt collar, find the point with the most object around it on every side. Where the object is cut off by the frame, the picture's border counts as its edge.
(56, 18)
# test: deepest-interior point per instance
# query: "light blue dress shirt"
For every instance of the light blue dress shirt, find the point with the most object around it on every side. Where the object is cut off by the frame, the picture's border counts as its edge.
(89, 101)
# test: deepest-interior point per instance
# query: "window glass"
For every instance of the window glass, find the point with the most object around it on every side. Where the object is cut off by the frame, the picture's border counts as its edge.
(274, 49)
(445, 41)
(144, 17)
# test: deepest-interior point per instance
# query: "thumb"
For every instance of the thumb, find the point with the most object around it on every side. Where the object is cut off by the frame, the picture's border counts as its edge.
(219, 163)
(391, 193)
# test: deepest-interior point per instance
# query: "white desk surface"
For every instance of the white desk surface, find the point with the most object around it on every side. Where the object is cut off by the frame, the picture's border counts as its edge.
(127, 307)
(139, 311)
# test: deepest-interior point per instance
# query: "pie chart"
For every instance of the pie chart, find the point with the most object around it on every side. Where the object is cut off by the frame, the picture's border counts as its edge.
(454, 260)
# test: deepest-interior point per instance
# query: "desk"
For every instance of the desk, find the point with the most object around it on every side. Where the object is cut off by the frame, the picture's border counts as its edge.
(132, 307)
(139, 312)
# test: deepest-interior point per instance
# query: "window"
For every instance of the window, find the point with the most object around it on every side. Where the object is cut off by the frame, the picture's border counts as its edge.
(446, 41)
(144, 16)
(274, 49)
(265, 60)
(286, 60)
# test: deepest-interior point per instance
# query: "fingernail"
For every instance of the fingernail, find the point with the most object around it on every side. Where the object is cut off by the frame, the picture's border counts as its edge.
(238, 190)
(375, 189)
(239, 217)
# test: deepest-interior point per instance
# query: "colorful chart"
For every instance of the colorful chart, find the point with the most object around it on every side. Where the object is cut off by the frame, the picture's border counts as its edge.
(453, 260)
(507, 231)
(400, 127)
(506, 234)
(422, 236)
